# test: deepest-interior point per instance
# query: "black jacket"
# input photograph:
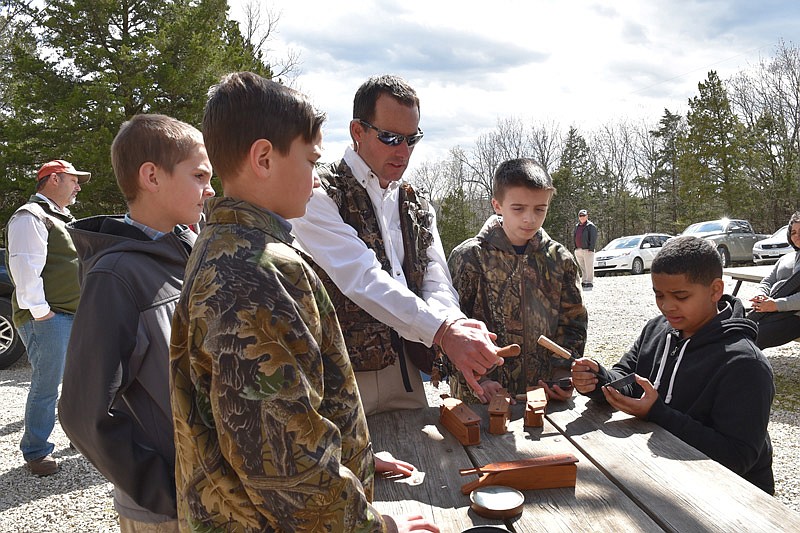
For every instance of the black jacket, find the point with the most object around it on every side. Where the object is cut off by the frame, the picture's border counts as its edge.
(722, 392)
(115, 403)
(588, 237)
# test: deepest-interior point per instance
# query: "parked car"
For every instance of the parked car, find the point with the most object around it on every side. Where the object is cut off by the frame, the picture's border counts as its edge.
(11, 347)
(769, 250)
(633, 253)
(733, 239)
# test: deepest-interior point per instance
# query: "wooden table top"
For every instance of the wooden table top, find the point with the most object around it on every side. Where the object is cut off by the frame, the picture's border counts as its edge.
(677, 485)
(632, 475)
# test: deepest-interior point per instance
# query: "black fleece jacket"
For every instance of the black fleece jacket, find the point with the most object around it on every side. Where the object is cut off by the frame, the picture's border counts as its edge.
(114, 404)
(720, 397)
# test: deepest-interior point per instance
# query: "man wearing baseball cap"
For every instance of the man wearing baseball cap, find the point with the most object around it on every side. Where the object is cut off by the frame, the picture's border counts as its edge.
(43, 265)
(585, 241)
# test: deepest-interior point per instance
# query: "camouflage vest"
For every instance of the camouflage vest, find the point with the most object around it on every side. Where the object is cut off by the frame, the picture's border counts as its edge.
(371, 344)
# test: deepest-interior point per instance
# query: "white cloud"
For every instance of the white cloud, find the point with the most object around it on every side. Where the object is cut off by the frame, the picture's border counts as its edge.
(576, 63)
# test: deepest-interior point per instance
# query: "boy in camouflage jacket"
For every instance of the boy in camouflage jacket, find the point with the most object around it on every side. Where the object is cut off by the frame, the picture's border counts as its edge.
(270, 433)
(521, 283)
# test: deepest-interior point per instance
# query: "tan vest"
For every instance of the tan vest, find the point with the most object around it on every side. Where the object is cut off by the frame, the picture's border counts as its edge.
(60, 273)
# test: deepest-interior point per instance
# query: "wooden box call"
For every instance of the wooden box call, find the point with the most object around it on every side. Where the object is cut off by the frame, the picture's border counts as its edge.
(460, 420)
(548, 472)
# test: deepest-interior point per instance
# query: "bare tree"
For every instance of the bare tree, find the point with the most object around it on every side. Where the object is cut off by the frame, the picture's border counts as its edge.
(767, 99)
(613, 149)
(649, 176)
(434, 178)
(509, 140)
(259, 27)
(546, 145)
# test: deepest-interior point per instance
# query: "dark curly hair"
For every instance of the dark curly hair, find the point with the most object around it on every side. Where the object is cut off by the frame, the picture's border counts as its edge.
(691, 256)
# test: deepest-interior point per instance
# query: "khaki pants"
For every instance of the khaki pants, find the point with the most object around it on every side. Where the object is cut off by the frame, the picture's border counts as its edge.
(126, 525)
(585, 259)
(384, 390)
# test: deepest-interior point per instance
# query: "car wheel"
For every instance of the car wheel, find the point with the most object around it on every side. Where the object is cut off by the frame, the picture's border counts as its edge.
(11, 347)
(638, 266)
(724, 256)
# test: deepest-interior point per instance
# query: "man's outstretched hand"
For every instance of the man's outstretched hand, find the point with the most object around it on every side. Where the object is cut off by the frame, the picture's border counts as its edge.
(471, 348)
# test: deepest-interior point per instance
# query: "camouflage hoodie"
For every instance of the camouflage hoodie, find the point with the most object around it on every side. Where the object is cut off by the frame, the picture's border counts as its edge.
(270, 434)
(519, 297)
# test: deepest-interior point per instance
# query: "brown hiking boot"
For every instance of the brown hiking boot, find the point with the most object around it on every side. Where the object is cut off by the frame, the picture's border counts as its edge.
(44, 466)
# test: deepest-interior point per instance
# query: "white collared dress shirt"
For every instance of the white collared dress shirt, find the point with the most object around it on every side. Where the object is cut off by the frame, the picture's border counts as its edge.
(354, 268)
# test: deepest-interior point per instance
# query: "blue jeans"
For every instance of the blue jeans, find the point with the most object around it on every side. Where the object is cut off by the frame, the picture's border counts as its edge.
(46, 342)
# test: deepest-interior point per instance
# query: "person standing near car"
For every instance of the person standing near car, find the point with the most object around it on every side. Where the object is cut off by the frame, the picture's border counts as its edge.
(585, 241)
(43, 266)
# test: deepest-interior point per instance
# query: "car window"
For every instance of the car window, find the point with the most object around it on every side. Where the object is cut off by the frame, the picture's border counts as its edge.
(739, 226)
(781, 232)
(623, 242)
(704, 227)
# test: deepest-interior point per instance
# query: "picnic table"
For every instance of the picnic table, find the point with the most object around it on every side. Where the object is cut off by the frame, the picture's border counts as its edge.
(632, 475)
(752, 274)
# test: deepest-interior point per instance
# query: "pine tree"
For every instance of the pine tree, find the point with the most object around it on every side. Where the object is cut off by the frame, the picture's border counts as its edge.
(667, 184)
(572, 180)
(83, 67)
(713, 183)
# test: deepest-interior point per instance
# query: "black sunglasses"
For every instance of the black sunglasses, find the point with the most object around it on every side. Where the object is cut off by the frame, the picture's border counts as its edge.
(390, 138)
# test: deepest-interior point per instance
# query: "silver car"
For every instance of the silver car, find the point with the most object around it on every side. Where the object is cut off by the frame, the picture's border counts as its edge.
(771, 249)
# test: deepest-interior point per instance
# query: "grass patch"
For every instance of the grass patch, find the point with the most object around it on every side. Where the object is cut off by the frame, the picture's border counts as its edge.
(787, 393)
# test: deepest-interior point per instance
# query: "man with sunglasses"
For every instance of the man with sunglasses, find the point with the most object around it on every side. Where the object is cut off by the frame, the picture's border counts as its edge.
(378, 252)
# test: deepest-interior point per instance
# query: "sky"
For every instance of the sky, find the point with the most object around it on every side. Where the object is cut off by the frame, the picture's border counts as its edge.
(563, 62)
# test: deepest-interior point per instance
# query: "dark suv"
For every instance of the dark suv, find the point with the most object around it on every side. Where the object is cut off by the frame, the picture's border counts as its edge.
(11, 347)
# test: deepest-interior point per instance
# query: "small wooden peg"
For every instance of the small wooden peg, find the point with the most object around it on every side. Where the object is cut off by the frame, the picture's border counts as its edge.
(499, 409)
(512, 350)
(535, 407)
(555, 348)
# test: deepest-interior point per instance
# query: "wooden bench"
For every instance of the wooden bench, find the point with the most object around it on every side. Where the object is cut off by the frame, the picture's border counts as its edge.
(752, 274)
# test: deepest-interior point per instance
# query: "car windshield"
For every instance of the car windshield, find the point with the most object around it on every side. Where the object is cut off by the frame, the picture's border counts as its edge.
(781, 232)
(704, 227)
(623, 242)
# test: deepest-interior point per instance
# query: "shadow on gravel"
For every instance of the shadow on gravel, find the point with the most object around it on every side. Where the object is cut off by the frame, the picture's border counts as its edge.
(20, 382)
(75, 473)
(13, 427)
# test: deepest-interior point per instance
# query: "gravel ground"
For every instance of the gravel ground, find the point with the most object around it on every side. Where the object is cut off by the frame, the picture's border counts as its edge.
(77, 498)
